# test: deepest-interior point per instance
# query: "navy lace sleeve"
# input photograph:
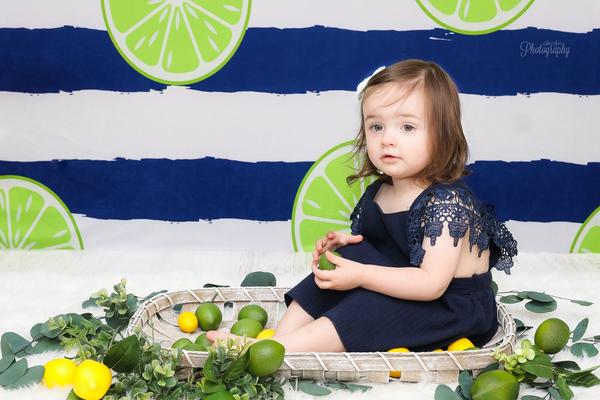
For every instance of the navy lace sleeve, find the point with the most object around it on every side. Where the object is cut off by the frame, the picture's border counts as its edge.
(456, 206)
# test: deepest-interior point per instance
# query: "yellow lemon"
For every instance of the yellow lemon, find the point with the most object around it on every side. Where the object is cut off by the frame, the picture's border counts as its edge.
(187, 321)
(438, 351)
(266, 333)
(91, 380)
(396, 374)
(460, 345)
(59, 372)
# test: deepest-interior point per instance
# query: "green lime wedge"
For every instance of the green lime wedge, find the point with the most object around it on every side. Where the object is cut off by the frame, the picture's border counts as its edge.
(176, 41)
(32, 217)
(324, 201)
(587, 239)
(474, 17)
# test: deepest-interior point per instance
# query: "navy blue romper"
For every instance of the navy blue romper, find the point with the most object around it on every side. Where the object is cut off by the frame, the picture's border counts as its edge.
(370, 321)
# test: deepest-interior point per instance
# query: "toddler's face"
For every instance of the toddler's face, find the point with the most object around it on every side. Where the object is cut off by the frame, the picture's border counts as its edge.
(396, 131)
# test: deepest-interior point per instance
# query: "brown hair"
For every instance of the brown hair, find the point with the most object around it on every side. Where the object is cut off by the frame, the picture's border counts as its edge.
(448, 146)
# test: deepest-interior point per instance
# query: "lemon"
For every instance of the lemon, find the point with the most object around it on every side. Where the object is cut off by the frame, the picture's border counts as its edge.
(474, 17)
(552, 335)
(587, 239)
(187, 322)
(176, 41)
(203, 341)
(254, 311)
(460, 345)
(246, 327)
(91, 380)
(495, 385)
(266, 334)
(59, 372)
(324, 201)
(32, 217)
(181, 343)
(438, 351)
(209, 316)
(265, 357)
(397, 374)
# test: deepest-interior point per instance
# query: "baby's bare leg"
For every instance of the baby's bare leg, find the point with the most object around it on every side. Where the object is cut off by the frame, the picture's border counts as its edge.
(293, 318)
(319, 336)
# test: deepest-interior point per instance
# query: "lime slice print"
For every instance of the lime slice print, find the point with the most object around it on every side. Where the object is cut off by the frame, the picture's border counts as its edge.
(32, 217)
(587, 239)
(474, 17)
(324, 201)
(176, 41)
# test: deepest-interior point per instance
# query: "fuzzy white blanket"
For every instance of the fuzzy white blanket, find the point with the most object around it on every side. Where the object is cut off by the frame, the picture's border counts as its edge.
(36, 285)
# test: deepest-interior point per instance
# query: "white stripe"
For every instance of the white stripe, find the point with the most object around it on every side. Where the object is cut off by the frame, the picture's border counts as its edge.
(180, 123)
(570, 16)
(238, 234)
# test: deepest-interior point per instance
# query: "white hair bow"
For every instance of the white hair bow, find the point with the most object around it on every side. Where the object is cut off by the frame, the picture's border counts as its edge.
(361, 86)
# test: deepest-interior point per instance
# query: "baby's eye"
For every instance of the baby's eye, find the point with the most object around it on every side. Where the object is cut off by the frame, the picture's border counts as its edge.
(376, 128)
(408, 128)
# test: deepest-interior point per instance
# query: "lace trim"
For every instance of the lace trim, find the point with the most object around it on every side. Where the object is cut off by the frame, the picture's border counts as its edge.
(356, 223)
(459, 208)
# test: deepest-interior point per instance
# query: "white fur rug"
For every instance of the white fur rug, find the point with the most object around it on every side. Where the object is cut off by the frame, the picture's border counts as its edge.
(36, 285)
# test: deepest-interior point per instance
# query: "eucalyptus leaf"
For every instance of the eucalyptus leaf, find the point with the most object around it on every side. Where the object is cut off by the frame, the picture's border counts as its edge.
(540, 385)
(510, 299)
(586, 379)
(44, 344)
(6, 362)
(354, 387)
(541, 297)
(580, 329)
(13, 373)
(524, 295)
(584, 349)
(259, 278)
(443, 392)
(177, 307)
(313, 389)
(582, 302)
(211, 285)
(465, 380)
(36, 331)
(555, 395)
(91, 302)
(32, 375)
(12, 343)
(541, 307)
(564, 389)
(532, 397)
(50, 333)
(153, 294)
(494, 288)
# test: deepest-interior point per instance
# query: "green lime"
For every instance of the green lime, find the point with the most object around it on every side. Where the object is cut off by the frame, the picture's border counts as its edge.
(203, 341)
(181, 343)
(209, 316)
(222, 395)
(32, 217)
(176, 41)
(474, 17)
(495, 385)
(587, 239)
(194, 347)
(266, 356)
(246, 327)
(552, 335)
(254, 311)
(324, 262)
(324, 201)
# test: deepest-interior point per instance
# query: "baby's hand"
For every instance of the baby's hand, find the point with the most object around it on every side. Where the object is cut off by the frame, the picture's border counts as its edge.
(332, 241)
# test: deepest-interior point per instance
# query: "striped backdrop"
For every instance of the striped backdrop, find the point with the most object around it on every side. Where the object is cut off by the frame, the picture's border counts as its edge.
(216, 164)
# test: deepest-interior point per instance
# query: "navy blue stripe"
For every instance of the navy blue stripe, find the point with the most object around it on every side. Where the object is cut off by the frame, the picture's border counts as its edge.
(310, 59)
(209, 188)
